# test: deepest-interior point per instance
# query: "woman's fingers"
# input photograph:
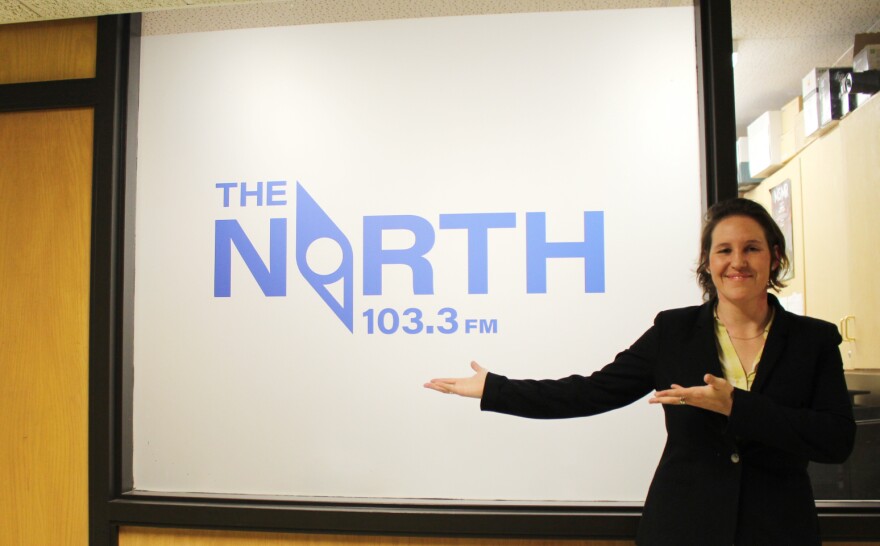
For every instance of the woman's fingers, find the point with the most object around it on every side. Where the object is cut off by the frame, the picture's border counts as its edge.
(445, 385)
(471, 387)
(716, 383)
(714, 396)
(666, 399)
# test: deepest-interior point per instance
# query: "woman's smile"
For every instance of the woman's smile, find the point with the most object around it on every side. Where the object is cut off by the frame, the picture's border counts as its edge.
(740, 259)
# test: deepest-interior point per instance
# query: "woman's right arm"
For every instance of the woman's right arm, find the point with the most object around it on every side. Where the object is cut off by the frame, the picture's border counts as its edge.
(628, 378)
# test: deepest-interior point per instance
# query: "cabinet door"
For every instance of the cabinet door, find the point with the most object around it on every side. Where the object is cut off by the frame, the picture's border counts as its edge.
(860, 133)
(827, 255)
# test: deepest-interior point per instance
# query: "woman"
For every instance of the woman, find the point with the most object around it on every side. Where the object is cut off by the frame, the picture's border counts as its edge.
(751, 393)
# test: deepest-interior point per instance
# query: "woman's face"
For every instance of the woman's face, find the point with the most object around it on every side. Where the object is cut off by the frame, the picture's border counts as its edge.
(740, 260)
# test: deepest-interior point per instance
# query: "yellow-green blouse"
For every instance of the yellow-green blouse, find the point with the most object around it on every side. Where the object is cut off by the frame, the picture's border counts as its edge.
(733, 369)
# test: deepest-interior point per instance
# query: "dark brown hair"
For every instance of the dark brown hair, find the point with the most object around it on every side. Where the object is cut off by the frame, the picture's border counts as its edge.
(749, 209)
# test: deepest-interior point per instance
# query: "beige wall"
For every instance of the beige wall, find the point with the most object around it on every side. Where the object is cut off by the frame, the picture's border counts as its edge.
(835, 198)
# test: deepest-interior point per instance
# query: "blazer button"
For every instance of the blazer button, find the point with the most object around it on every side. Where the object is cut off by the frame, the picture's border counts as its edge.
(734, 458)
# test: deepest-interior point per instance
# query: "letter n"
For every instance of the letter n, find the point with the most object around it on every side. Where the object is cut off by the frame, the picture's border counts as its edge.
(272, 280)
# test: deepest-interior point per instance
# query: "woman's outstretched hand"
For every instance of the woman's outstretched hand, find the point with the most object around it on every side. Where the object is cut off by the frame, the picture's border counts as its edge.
(471, 387)
(716, 395)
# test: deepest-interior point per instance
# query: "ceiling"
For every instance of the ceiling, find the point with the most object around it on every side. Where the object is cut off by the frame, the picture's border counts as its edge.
(777, 41)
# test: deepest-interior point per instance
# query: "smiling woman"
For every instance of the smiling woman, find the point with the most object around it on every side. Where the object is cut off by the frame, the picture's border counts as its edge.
(744, 252)
(740, 262)
(751, 394)
(748, 222)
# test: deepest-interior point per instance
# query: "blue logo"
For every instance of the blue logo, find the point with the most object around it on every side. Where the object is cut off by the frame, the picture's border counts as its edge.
(313, 224)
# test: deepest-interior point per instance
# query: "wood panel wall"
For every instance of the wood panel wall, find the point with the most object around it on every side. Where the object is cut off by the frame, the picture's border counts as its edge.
(139, 536)
(45, 231)
(45, 214)
(48, 50)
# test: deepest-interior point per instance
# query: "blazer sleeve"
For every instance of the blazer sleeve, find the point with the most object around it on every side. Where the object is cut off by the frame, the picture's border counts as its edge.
(628, 378)
(823, 431)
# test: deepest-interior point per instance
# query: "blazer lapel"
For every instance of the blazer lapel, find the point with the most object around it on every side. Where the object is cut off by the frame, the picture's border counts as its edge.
(703, 349)
(774, 346)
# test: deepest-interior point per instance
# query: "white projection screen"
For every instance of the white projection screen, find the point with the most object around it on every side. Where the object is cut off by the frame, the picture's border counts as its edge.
(328, 216)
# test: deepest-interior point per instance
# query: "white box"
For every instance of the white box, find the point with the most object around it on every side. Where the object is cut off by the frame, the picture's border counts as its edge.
(810, 82)
(744, 179)
(811, 114)
(765, 156)
(811, 106)
(742, 149)
(867, 59)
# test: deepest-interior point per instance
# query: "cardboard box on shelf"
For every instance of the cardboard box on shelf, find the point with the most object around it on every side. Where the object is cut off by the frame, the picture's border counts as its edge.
(800, 139)
(811, 106)
(744, 178)
(810, 82)
(787, 146)
(811, 115)
(867, 59)
(864, 39)
(742, 149)
(790, 112)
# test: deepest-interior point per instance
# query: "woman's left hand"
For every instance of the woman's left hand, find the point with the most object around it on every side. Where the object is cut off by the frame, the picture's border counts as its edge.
(716, 395)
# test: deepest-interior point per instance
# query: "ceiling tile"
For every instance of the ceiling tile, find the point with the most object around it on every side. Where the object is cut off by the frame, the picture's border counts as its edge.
(65, 9)
(16, 12)
(300, 12)
(58, 9)
(788, 19)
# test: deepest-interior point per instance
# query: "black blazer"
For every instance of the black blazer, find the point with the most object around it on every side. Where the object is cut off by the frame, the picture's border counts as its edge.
(720, 480)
